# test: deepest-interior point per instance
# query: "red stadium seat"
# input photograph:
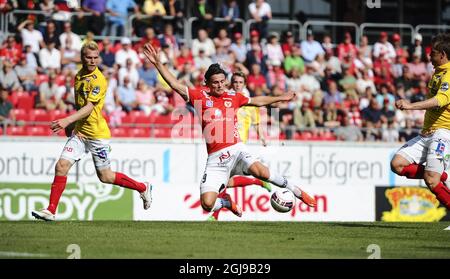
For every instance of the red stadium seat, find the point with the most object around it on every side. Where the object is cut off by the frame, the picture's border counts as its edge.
(25, 101)
(120, 132)
(128, 119)
(58, 114)
(161, 132)
(139, 132)
(21, 114)
(39, 131)
(41, 115)
(16, 131)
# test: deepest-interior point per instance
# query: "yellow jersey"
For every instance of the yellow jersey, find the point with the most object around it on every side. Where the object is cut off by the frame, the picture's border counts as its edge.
(246, 116)
(91, 87)
(438, 87)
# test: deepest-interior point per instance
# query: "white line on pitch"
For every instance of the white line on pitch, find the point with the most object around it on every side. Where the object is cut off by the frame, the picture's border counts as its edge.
(23, 255)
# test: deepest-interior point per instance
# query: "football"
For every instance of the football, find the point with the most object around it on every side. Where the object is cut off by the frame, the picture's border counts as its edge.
(282, 200)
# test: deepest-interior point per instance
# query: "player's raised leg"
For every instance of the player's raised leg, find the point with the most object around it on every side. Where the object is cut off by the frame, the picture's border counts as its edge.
(442, 192)
(242, 181)
(403, 167)
(262, 172)
(117, 178)
(59, 184)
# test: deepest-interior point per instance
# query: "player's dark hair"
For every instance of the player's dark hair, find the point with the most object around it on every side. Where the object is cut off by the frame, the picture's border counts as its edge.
(239, 74)
(214, 69)
(441, 42)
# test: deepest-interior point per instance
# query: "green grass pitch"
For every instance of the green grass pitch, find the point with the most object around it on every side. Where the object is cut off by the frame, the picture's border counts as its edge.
(223, 240)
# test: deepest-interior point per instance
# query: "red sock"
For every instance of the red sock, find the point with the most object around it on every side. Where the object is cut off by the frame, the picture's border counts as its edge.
(442, 194)
(413, 171)
(242, 181)
(127, 182)
(58, 186)
(219, 196)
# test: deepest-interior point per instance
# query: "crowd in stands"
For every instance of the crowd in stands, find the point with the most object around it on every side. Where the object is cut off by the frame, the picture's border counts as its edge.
(344, 91)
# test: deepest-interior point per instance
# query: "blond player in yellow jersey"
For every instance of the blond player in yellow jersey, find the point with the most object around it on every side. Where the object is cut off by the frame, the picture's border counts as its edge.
(427, 155)
(91, 134)
(247, 116)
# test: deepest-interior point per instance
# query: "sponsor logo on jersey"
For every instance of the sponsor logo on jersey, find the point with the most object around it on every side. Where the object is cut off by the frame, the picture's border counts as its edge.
(227, 104)
(209, 103)
(444, 86)
(96, 90)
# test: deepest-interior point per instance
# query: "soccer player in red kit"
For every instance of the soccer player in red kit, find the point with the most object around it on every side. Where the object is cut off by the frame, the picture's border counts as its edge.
(227, 155)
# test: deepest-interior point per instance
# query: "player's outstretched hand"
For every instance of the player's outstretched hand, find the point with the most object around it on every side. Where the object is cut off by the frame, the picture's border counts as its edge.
(402, 104)
(288, 96)
(151, 53)
(59, 124)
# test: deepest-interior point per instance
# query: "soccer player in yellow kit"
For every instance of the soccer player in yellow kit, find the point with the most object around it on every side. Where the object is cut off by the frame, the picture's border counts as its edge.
(91, 134)
(432, 146)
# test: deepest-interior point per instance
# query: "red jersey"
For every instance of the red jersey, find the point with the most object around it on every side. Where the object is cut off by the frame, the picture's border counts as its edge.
(218, 117)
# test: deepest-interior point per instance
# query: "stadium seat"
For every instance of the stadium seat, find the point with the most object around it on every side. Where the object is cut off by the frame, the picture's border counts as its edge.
(160, 132)
(16, 131)
(41, 115)
(25, 101)
(128, 119)
(139, 132)
(120, 132)
(38, 131)
(21, 114)
(57, 114)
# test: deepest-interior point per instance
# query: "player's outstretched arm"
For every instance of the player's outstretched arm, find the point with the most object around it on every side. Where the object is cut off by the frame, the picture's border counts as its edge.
(153, 56)
(62, 123)
(268, 100)
(427, 104)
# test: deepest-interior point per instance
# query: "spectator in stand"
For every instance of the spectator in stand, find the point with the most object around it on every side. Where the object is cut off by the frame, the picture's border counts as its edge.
(31, 58)
(417, 48)
(26, 74)
(173, 8)
(149, 37)
(308, 81)
(127, 96)
(332, 115)
(184, 57)
(222, 41)
(293, 83)
(186, 74)
(126, 53)
(383, 70)
(202, 61)
(230, 12)
(294, 61)
(408, 132)
(129, 71)
(365, 81)
(70, 57)
(7, 116)
(304, 117)
(51, 95)
(407, 80)
(8, 77)
(256, 82)
(203, 42)
(255, 52)
(386, 98)
(239, 48)
(347, 47)
(205, 14)
(75, 39)
(420, 93)
(372, 114)
(118, 14)
(162, 102)
(156, 10)
(417, 67)
(11, 50)
(273, 48)
(327, 45)
(348, 84)
(107, 55)
(400, 51)
(148, 74)
(261, 12)
(365, 48)
(311, 48)
(50, 34)
(168, 38)
(112, 105)
(397, 67)
(50, 57)
(144, 97)
(354, 115)
(276, 76)
(31, 36)
(333, 95)
(390, 133)
(348, 131)
(96, 22)
(384, 49)
(289, 44)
